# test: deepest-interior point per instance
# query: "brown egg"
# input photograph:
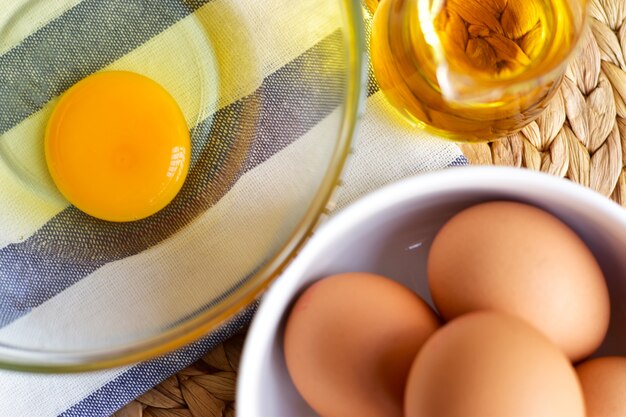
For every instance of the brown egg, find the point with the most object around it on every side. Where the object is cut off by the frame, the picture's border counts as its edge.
(350, 341)
(522, 260)
(604, 386)
(491, 364)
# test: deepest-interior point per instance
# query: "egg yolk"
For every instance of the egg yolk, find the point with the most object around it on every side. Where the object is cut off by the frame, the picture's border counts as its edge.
(117, 146)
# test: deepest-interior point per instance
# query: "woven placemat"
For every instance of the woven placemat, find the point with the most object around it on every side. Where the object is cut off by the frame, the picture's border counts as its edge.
(582, 133)
(581, 136)
(205, 389)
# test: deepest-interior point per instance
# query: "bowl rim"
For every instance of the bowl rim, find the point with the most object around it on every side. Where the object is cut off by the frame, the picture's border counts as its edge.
(33, 360)
(450, 180)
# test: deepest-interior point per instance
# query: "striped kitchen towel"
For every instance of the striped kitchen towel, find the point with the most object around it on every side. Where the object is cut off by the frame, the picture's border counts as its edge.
(62, 271)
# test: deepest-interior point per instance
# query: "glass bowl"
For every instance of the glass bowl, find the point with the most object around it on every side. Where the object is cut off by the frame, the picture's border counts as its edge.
(271, 92)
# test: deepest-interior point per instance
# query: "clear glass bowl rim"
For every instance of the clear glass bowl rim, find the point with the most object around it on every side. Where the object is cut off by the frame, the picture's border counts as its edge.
(30, 360)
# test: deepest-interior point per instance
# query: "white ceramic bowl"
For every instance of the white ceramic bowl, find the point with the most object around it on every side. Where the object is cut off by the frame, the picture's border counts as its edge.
(389, 232)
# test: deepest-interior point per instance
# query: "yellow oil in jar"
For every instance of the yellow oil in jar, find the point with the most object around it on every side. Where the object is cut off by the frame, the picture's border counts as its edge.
(472, 70)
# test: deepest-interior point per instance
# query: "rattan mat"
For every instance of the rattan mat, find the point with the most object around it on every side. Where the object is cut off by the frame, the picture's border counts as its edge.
(581, 136)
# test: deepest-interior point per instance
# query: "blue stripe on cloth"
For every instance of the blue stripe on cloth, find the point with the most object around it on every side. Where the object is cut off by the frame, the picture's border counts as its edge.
(72, 245)
(132, 383)
(86, 38)
(459, 162)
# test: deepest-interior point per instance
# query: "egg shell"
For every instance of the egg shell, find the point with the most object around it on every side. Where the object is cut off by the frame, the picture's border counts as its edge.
(522, 260)
(604, 386)
(350, 340)
(492, 364)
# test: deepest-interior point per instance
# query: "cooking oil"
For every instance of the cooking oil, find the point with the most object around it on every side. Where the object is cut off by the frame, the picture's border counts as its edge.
(473, 70)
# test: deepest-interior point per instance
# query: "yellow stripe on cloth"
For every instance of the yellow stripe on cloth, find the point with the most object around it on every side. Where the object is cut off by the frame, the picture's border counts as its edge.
(21, 18)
